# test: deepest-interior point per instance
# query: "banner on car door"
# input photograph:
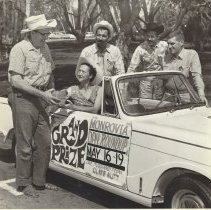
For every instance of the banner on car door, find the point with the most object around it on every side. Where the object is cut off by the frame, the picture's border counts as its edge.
(107, 150)
(94, 145)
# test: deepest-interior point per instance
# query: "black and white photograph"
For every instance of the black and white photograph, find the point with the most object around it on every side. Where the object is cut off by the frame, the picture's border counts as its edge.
(105, 104)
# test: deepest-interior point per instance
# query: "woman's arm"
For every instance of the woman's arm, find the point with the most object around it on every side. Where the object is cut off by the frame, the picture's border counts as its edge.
(93, 109)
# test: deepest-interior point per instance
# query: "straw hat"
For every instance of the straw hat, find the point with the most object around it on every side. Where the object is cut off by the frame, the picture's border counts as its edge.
(38, 22)
(99, 74)
(104, 24)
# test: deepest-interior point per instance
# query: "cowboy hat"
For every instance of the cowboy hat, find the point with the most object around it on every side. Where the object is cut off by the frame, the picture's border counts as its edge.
(104, 24)
(99, 74)
(154, 27)
(38, 22)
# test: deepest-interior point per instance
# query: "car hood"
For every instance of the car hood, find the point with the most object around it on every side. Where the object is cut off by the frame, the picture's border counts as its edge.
(191, 126)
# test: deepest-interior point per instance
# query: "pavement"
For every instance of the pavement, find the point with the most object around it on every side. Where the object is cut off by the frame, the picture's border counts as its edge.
(11, 199)
(71, 194)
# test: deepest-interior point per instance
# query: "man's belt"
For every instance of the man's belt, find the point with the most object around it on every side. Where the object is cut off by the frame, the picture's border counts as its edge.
(19, 92)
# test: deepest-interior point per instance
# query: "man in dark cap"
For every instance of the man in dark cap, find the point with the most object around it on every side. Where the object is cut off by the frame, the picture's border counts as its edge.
(148, 56)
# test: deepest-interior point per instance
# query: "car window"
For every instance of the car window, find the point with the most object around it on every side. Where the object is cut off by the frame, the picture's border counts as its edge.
(109, 106)
(149, 94)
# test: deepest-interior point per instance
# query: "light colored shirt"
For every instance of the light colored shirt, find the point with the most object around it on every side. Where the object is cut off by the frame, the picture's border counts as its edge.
(189, 64)
(109, 63)
(146, 58)
(34, 65)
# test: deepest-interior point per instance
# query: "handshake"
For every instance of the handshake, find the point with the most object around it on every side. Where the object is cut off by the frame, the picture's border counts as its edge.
(61, 95)
(59, 100)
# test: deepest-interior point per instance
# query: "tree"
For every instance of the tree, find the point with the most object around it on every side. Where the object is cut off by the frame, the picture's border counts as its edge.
(198, 24)
(127, 17)
(12, 14)
(76, 17)
(123, 14)
(28, 8)
(179, 13)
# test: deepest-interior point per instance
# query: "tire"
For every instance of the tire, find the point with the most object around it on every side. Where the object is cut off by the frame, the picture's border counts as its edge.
(188, 192)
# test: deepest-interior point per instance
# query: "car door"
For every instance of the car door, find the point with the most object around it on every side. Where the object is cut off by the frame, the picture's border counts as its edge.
(96, 145)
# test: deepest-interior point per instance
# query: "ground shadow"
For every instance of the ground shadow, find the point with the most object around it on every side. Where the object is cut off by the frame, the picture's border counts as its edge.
(7, 149)
(7, 155)
(90, 192)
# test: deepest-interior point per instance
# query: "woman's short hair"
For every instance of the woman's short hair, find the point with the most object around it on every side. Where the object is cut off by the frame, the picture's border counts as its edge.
(92, 70)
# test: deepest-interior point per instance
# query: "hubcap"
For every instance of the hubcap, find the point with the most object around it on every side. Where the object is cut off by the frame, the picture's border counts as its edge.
(187, 199)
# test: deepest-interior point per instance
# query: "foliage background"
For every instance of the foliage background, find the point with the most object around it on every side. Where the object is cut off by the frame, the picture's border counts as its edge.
(128, 17)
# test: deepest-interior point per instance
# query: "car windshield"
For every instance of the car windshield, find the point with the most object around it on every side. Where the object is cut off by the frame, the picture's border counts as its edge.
(148, 94)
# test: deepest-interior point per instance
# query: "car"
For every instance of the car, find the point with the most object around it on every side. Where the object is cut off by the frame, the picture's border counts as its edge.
(61, 35)
(150, 149)
(89, 36)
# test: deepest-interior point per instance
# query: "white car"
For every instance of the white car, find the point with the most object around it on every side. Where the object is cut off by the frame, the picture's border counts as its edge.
(89, 36)
(61, 35)
(148, 148)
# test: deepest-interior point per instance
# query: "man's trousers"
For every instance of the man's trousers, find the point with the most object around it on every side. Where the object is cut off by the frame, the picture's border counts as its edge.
(32, 135)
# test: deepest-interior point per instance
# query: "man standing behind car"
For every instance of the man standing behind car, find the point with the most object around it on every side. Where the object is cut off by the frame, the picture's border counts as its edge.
(30, 75)
(148, 56)
(107, 57)
(184, 60)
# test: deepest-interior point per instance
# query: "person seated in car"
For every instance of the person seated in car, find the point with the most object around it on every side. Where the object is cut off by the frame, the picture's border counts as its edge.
(86, 96)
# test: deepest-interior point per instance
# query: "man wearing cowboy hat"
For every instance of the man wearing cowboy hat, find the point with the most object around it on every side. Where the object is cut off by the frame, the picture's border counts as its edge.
(107, 57)
(149, 56)
(145, 55)
(30, 75)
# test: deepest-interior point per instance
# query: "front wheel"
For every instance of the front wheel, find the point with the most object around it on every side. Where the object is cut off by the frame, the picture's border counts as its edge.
(187, 192)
